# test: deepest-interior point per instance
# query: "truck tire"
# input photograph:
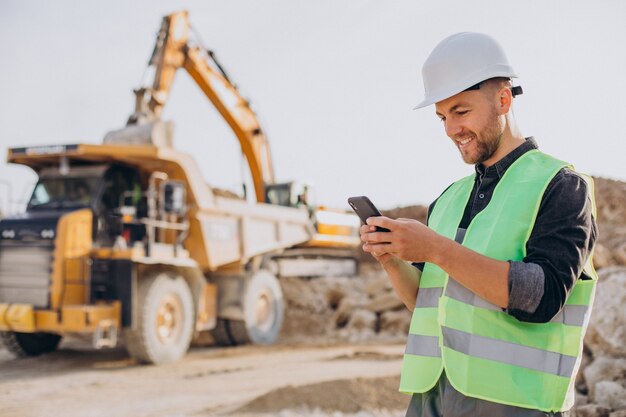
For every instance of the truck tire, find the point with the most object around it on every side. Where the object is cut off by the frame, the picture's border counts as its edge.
(221, 333)
(263, 311)
(30, 344)
(165, 320)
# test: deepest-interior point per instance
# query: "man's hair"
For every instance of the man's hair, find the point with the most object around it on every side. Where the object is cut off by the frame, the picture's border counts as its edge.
(495, 84)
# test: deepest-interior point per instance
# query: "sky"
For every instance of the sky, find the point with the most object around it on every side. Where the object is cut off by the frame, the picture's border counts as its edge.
(333, 83)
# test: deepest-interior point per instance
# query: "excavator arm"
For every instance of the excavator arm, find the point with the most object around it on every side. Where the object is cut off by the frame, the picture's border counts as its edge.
(174, 50)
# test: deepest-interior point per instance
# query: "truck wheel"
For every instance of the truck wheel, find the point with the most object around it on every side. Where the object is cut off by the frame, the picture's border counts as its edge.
(221, 333)
(165, 320)
(30, 344)
(263, 311)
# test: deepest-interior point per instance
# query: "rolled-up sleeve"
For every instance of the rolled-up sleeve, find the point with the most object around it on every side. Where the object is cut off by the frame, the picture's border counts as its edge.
(526, 286)
(559, 245)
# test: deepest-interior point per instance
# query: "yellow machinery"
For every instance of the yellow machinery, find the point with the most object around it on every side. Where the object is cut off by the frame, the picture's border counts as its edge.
(126, 236)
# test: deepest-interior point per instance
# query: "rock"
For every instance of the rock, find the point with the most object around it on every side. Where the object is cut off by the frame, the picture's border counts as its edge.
(603, 368)
(606, 334)
(592, 410)
(334, 297)
(610, 394)
(602, 256)
(344, 311)
(580, 383)
(395, 321)
(383, 302)
(619, 413)
(581, 400)
(301, 295)
(362, 319)
(356, 336)
(619, 255)
(377, 287)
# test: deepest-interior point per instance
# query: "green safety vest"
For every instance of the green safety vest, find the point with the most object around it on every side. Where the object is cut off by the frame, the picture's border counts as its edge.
(487, 353)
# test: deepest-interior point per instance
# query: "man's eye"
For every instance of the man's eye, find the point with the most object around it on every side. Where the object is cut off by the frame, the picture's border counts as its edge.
(442, 119)
(462, 112)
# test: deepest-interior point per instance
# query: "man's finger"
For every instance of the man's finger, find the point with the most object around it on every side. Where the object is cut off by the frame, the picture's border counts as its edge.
(366, 229)
(379, 237)
(381, 221)
(369, 248)
(377, 247)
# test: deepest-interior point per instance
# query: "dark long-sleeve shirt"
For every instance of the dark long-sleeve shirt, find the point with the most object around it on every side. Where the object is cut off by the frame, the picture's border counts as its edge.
(559, 244)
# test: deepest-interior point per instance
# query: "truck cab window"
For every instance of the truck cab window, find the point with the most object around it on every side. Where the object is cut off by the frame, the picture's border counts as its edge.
(62, 193)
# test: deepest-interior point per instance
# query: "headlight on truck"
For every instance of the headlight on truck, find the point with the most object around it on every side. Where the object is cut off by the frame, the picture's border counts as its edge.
(8, 234)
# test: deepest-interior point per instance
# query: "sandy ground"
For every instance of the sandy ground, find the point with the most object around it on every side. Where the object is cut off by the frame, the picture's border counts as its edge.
(334, 358)
(283, 380)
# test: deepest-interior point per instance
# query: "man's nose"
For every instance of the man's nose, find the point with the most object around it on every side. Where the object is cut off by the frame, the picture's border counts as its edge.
(452, 128)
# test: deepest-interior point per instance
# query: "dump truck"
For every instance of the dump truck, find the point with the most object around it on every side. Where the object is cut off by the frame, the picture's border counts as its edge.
(125, 238)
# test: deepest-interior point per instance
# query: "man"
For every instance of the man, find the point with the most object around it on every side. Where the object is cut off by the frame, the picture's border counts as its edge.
(501, 284)
(82, 193)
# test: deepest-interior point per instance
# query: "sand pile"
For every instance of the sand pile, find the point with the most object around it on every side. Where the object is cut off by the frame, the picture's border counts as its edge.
(611, 201)
(350, 309)
(601, 381)
(342, 396)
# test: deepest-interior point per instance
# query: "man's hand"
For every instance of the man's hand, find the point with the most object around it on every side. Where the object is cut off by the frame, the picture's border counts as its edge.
(374, 248)
(404, 278)
(407, 239)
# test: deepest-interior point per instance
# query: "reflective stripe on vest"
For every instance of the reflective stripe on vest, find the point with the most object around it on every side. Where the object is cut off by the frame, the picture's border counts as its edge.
(487, 353)
(417, 344)
(573, 315)
(429, 297)
(506, 352)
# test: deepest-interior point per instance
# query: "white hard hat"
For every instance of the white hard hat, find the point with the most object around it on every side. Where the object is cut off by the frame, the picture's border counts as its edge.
(461, 61)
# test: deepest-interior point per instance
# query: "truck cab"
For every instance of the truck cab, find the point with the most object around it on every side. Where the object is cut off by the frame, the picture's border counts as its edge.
(103, 189)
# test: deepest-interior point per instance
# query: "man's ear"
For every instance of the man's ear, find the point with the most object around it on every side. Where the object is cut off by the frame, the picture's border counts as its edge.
(505, 100)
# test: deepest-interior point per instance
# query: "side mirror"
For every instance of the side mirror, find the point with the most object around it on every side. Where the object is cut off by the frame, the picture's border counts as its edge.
(173, 197)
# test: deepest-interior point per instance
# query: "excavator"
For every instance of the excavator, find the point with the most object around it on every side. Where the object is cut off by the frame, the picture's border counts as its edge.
(125, 237)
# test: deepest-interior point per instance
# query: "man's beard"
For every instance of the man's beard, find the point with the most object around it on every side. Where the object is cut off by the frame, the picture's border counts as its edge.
(487, 142)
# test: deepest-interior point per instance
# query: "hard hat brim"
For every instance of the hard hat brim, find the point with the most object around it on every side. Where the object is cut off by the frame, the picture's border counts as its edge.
(493, 72)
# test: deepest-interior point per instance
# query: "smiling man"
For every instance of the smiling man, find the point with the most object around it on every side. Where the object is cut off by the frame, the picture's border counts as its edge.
(501, 281)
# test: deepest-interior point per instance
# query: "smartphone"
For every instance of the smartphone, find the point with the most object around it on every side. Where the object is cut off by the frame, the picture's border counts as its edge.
(365, 209)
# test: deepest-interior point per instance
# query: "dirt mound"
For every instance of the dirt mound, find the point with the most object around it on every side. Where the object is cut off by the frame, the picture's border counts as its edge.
(409, 212)
(611, 200)
(366, 355)
(601, 380)
(346, 396)
(611, 204)
(343, 309)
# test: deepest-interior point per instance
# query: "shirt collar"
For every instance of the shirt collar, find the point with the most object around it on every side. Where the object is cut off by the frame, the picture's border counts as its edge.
(499, 168)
